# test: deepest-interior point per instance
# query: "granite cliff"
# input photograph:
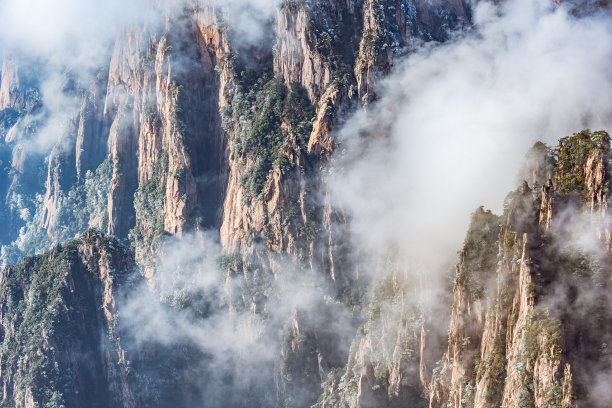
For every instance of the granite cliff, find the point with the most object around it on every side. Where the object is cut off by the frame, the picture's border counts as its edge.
(188, 132)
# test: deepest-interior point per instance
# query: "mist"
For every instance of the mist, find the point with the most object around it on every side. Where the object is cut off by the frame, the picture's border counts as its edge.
(454, 121)
(63, 45)
(241, 316)
(79, 34)
(449, 132)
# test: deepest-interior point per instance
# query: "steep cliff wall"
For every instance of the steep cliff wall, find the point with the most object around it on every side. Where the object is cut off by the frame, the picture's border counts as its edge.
(275, 182)
(168, 117)
(153, 114)
(176, 98)
(187, 128)
(515, 342)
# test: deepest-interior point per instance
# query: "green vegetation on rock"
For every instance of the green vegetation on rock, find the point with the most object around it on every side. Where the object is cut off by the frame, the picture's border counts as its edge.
(270, 121)
(572, 155)
(50, 328)
(149, 201)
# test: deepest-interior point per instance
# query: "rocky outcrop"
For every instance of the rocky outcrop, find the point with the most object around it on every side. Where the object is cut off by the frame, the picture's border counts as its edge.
(12, 87)
(333, 105)
(90, 143)
(77, 154)
(297, 60)
(394, 28)
(525, 352)
(583, 177)
(518, 334)
(315, 42)
(384, 363)
(19, 119)
(52, 200)
(58, 327)
(474, 276)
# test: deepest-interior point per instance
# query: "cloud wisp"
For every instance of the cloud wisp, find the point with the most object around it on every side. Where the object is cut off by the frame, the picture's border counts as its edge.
(449, 133)
(243, 319)
(66, 44)
(454, 121)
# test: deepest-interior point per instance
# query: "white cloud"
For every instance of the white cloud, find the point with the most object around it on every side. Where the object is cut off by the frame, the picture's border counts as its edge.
(454, 122)
(52, 38)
